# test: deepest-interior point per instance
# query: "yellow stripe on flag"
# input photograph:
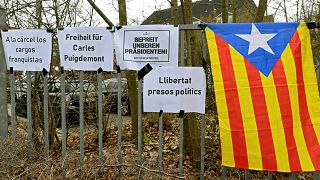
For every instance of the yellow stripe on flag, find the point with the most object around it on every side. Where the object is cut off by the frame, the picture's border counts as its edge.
(276, 125)
(248, 116)
(289, 69)
(224, 124)
(309, 77)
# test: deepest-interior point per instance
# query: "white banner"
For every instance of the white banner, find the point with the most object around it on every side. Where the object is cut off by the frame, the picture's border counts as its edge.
(172, 89)
(27, 50)
(86, 48)
(155, 44)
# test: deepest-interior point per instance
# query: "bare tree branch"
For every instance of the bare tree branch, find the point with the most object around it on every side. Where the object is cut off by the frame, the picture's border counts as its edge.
(103, 16)
(261, 10)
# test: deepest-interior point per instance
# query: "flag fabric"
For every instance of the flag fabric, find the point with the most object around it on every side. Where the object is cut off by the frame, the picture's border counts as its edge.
(267, 96)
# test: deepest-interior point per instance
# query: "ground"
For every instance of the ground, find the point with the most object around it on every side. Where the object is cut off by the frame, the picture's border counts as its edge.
(17, 163)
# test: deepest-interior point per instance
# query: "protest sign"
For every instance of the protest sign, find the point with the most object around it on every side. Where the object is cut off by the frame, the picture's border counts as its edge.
(27, 50)
(172, 89)
(154, 44)
(86, 48)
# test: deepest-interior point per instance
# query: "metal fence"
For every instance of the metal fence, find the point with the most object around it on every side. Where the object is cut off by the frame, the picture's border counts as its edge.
(99, 81)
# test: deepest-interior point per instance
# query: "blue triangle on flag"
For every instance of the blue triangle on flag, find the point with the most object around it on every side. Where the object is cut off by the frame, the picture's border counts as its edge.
(260, 43)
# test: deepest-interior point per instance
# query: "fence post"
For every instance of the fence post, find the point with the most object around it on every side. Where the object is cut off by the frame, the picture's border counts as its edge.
(293, 176)
(119, 111)
(3, 84)
(45, 111)
(269, 175)
(181, 118)
(202, 144)
(13, 105)
(81, 106)
(224, 173)
(316, 175)
(139, 121)
(160, 161)
(181, 114)
(203, 116)
(63, 113)
(100, 120)
(246, 174)
(29, 113)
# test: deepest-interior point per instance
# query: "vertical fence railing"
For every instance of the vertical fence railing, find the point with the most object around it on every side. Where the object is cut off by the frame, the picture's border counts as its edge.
(246, 174)
(269, 175)
(224, 173)
(13, 105)
(202, 145)
(29, 119)
(181, 119)
(63, 113)
(100, 122)
(3, 83)
(29, 112)
(119, 121)
(45, 112)
(139, 121)
(81, 109)
(203, 116)
(160, 160)
(181, 114)
(316, 175)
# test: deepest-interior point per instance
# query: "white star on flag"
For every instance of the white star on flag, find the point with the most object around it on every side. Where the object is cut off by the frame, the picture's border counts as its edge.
(257, 40)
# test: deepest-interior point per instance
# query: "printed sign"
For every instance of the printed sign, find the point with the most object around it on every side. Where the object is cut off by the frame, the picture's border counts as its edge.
(172, 89)
(86, 48)
(155, 44)
(27, 50)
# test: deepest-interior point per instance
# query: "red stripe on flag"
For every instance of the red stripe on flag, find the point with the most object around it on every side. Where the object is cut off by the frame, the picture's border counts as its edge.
(269, 160)
(234, 110)
(280, 82)
(306, 123)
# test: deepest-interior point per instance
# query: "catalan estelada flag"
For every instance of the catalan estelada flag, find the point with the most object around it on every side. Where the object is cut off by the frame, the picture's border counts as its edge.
(267, 96)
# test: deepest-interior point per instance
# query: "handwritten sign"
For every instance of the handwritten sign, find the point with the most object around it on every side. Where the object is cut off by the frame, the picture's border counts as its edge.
(155, 44)
(27, 50)
(172, 89)
(86, 48)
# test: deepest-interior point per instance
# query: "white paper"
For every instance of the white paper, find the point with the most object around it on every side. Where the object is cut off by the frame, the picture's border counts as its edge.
(86, 48)
(155, 44)
(172, 89)
(27, 50)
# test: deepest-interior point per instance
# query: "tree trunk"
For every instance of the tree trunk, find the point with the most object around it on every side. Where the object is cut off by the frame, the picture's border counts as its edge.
(3, 84)
(261, 10)
(305, 17)
(191, 125)
(174, 12)
(187, 19)
(224, 11)
(37, 114)
(56, 13)
(103, 16)
(131, 78)
(55, 59)
(234, 11)
(285, 10)
(297, 13)
(210, 96)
